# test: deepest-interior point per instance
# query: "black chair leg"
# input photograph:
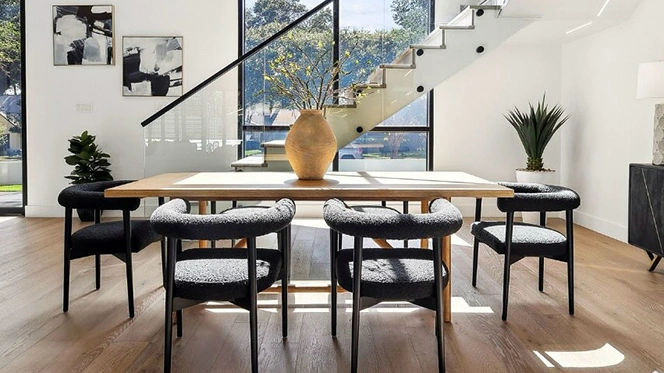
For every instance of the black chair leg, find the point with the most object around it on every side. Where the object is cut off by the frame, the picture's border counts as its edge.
(128, 259)
(168, 316)
(476, 242)
(213, 211)
(506, 272)
(357, 277)
(541, 274)
(476, 247)
(438, 275)
(179, 321)
(570, 259)
(253, 302)
(162, 242)
(67, 260)
(285, 250)
(334, 237)
(405, 211)
(97, 272)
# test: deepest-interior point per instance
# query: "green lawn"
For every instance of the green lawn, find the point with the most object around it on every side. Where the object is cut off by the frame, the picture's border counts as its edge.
(11, 188)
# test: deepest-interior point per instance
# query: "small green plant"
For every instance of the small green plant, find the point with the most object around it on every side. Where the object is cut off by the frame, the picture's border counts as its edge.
(89, 161)
(535, 129)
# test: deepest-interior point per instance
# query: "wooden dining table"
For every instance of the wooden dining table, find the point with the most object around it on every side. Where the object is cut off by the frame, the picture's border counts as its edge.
(349, 186)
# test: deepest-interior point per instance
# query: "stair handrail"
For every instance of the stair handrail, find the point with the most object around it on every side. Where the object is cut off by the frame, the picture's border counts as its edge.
(235, 63)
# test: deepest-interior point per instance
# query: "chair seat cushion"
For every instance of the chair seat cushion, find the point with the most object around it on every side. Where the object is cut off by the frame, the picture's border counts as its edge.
(108, 238)
(222, 274)
(381, 210)
(405, 274)
(527, 239)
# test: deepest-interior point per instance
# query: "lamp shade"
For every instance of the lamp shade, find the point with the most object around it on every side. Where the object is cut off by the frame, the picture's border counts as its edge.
(651, 80)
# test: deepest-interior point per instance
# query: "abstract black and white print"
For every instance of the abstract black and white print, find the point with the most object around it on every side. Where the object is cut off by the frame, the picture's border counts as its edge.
(83, 35)
(152, 66)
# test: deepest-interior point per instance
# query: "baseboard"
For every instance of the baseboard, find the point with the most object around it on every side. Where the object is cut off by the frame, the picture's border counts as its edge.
(605, 227)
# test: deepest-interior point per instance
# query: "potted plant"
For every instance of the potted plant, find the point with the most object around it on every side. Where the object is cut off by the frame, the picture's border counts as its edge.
(535, 128)
(305, 77)
(90, 164)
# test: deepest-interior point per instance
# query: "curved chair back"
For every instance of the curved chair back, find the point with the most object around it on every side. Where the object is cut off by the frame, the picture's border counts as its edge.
(173, 220)
(91, 196)
(539, 197)
(443, 220)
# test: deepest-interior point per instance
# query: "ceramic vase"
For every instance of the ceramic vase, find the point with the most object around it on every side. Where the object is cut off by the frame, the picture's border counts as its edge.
(310, 145)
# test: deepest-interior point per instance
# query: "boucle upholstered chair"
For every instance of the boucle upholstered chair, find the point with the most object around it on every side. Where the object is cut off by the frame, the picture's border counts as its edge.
(118, 238)
(376, 275)
(199, 275)
(519, 240)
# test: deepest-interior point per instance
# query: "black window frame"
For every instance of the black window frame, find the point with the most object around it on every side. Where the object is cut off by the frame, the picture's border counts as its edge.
(428, 129)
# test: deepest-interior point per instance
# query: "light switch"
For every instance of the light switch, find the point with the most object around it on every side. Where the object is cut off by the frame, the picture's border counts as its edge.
(84, 107)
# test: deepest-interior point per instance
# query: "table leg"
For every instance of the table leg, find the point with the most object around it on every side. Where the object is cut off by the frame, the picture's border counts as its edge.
(654, 263)
(383, 244)
(202, 210)
(424, 208)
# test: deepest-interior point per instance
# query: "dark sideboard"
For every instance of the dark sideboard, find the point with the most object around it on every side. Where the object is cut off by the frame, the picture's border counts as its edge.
(646, 210)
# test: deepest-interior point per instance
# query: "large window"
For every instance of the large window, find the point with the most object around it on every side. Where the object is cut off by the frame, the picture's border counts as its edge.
(11, 116)
(373, 32)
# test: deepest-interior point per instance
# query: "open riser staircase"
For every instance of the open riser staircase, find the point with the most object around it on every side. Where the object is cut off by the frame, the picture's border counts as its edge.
(446, 51)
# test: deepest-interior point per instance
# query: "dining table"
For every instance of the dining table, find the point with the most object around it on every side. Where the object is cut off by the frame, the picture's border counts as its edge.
(420, 186)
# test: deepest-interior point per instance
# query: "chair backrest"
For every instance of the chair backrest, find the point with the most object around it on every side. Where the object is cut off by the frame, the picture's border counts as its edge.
(538, 197)
(91, 196)
(173, 220)
(443, 220)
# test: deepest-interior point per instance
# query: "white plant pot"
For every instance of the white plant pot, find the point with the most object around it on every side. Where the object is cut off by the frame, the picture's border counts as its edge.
(542, 177)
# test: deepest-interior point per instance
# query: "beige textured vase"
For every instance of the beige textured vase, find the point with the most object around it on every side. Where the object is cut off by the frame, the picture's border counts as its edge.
(310, 145)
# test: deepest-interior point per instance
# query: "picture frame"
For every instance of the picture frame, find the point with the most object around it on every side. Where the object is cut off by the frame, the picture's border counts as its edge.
(83, 35)
(152, 66)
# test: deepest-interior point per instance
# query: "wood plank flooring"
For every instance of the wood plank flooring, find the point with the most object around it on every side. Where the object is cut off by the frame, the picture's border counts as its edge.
(618, 321)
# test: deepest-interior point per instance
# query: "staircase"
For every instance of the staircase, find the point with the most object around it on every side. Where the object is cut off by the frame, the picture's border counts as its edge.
(447, 50)
(477, 30)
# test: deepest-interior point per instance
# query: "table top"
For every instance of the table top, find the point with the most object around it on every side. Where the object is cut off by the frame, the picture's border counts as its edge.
(358, 186)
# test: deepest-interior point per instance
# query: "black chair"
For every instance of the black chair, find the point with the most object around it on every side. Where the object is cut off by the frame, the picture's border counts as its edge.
(409, 274)
(118, 238)
(519, 240)
(199, 275)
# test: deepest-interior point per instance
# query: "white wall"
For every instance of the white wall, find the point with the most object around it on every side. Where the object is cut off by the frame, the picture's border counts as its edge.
(470, 132)
(609, 128)
(209, 28)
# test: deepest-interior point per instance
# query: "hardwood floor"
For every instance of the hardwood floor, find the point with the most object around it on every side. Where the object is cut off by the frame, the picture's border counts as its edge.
(619, 313)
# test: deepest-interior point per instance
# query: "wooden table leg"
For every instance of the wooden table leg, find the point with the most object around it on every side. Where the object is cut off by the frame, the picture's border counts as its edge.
(383, 244)
(424, 208)
(202, 210)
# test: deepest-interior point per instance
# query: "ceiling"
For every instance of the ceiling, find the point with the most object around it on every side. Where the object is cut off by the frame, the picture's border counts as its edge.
(555, 20)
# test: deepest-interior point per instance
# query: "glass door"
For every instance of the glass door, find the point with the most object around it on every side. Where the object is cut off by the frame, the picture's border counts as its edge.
(11, 108)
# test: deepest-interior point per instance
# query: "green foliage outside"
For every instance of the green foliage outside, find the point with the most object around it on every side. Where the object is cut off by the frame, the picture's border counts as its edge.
(303, 59)
(535, 128)
(10, 44)
(89, 161)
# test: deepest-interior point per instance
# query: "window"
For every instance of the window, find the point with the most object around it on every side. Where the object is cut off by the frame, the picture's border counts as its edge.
(373, 32)
(11, 111)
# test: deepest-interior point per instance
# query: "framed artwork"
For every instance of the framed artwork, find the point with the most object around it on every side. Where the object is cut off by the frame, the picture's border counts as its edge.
(83, 35)
(152, 66)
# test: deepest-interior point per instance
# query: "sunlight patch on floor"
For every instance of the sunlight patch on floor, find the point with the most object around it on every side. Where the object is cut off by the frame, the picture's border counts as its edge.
(605, 356)
(6, 218)
(459, 305)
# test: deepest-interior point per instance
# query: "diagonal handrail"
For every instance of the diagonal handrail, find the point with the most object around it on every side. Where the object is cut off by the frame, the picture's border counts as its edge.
(235, 63)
